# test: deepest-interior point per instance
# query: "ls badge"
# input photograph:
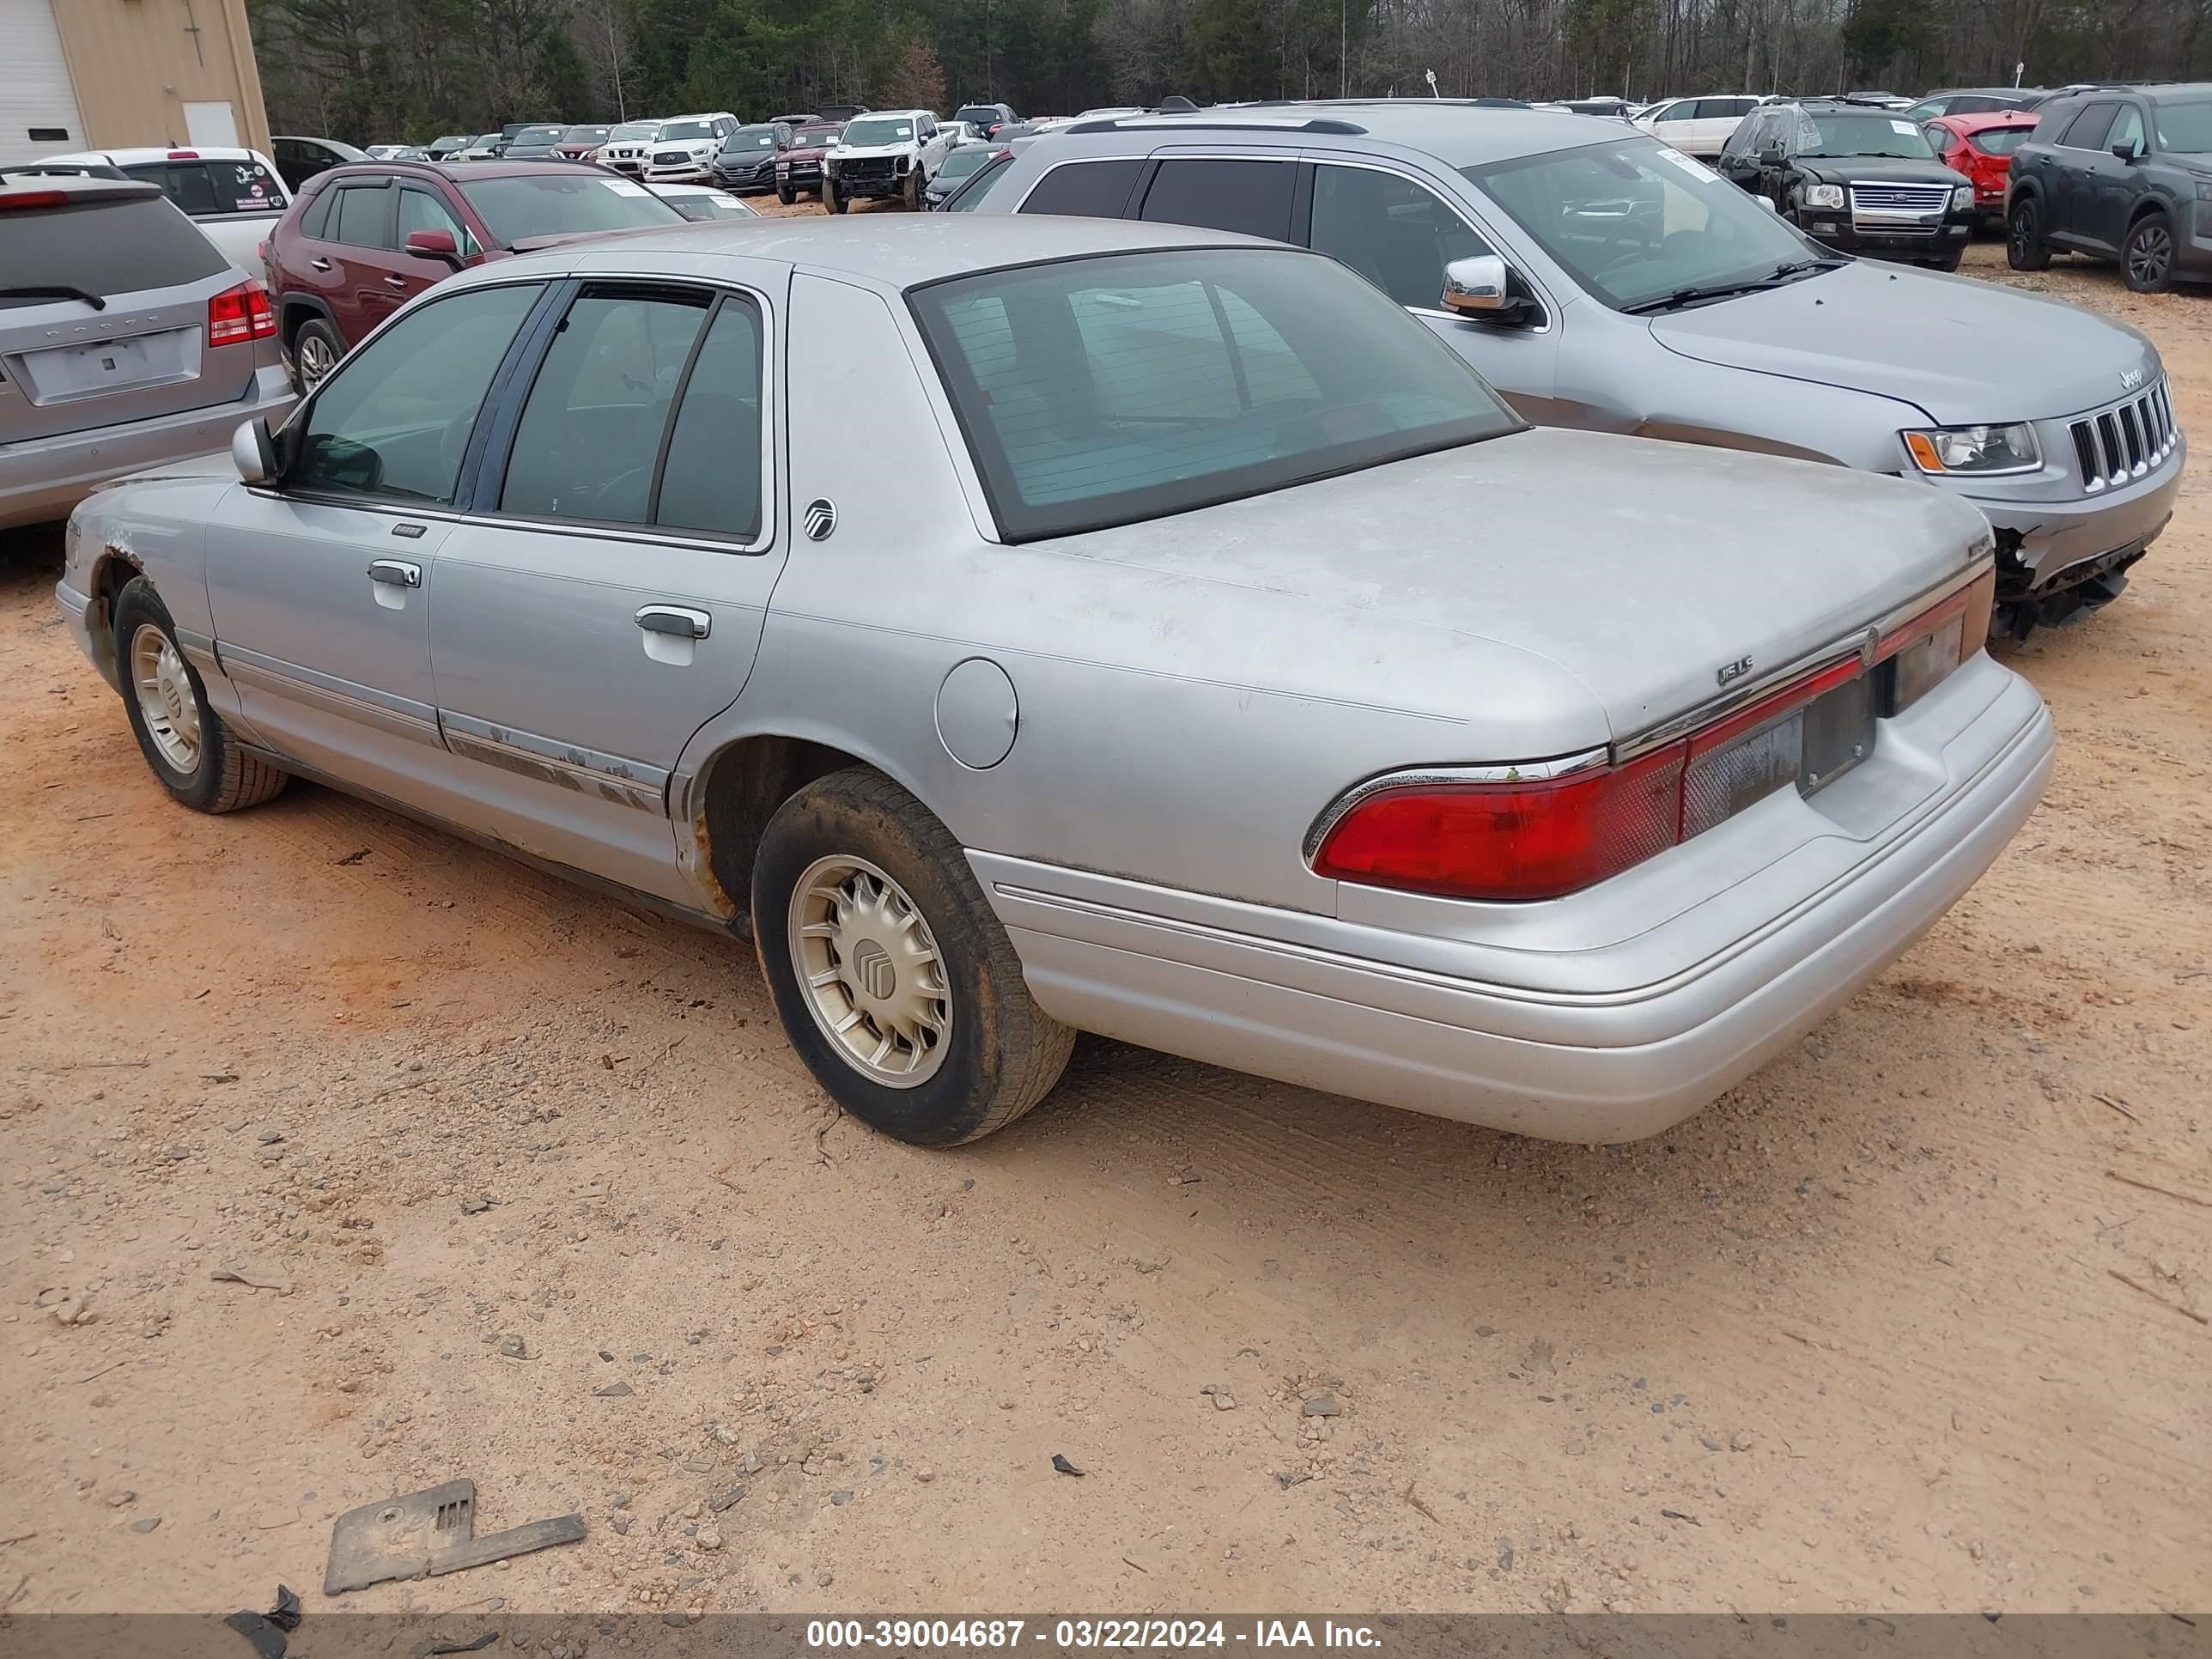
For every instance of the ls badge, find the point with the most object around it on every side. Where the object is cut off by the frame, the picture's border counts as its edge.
(1730, 673)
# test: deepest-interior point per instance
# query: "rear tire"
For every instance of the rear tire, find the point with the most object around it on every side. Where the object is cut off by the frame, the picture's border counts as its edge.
(2147, 255)
(185, 741)
(316, 349)
(2024, 248)
(893, 980)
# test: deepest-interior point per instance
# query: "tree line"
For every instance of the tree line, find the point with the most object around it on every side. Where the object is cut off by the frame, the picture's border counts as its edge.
(392, 70)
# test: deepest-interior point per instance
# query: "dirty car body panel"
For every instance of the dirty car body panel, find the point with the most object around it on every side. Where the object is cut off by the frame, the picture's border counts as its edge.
(1199, 686)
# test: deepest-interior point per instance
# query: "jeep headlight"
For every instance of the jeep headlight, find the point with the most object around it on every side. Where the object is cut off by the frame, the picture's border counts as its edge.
(1979, 450)
(1962, 198)
(1824, 195)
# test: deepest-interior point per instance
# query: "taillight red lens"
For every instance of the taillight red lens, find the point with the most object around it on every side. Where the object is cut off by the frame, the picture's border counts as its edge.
(1929, 645)
(238, 314)
(1510, 841)
(34, 198)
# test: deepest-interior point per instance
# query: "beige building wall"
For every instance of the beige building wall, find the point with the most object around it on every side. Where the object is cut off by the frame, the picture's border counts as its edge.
(136, 63)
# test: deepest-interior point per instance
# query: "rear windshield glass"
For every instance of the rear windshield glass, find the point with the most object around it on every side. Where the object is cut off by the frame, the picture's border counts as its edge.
(552, 204)
(979, 113)
(1999, 141)
(2185, 127)
(1108, 390)
(117, 247)
(205, 188)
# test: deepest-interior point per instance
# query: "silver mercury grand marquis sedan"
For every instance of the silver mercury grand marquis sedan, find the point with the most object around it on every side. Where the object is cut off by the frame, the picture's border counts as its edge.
(1627, 287)
(1196, 652)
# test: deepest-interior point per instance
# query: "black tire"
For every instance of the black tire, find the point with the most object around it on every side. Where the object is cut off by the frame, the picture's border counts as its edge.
(224, 778)
(830, 198)
(2147, 255)
(1949, 261)
(913, 191)
(316, 341)
(785, 194)
(1001, 1053)
(2024, 248)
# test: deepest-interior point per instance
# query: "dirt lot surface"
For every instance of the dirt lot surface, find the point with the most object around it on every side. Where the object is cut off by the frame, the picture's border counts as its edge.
(1916, 1319)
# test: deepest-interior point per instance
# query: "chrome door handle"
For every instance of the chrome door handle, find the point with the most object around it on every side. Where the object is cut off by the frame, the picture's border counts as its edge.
(318, 264)
(400, 283)
(684, 623)
(396, 573)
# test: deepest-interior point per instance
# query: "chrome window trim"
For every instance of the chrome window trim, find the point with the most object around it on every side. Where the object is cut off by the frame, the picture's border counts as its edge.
(1420, 777)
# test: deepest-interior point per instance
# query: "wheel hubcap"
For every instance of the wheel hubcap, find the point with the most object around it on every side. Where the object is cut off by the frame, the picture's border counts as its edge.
(315, 359)
(165, 701)
(870, 970)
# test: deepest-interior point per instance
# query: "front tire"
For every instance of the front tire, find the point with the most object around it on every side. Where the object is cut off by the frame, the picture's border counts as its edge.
(913, 191)
(2024, 248)
(185, 741)
(893, 980)
(2146, 256)
(785, 195)
(830, 198)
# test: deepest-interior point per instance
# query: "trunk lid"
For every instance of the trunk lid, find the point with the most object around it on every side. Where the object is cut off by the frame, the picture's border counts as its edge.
(1644, 568)
(1959, 351)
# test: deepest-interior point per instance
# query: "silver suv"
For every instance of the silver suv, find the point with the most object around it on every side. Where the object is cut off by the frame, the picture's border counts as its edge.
(127, 340)
(1601, 278)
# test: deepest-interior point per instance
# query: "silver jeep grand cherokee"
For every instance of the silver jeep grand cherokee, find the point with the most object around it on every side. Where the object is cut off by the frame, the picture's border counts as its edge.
(1600, 279)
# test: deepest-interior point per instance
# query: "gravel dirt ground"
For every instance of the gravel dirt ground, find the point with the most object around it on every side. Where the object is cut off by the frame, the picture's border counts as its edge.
(1916, 1319)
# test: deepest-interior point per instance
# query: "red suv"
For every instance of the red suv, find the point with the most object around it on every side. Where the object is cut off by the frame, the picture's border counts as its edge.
(361, 241)
(1981, 146)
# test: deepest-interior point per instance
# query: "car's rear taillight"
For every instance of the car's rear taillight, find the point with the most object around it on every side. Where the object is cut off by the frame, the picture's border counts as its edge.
(238, 314)
(1548, 829)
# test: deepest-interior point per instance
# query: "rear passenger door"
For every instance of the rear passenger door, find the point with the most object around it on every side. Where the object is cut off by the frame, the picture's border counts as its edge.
(604, 598)
(367, 284)
(2069, 184)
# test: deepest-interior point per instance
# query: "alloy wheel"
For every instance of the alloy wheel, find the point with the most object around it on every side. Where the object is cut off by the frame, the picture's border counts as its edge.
(2023, 233)
(871, 970)
(316, 358)
(2150, 253)
(165, 701)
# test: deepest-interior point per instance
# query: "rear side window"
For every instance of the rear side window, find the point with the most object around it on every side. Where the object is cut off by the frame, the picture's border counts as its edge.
(361, 218)
(396, 417)
(710, 478)
(1253, 198)
(206, 188)
(1089, 190)
(315, 222)
(115, 248)
(1109, 391)
(2090, 127)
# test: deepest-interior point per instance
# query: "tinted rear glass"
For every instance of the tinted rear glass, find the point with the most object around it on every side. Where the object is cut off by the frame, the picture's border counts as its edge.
(1251, 197)
(1091, 190)
(1999, 141)
(210, 187)
(117, 247)
(1109, 391)
(524, 205)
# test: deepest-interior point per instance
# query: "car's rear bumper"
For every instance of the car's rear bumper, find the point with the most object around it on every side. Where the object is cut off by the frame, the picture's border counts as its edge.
(42, 478)
(1579, 1044)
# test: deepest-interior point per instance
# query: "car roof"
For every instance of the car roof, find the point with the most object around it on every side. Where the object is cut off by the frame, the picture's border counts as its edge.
(897, 250)
(1460, 131)
(459, 171)
(141, 154)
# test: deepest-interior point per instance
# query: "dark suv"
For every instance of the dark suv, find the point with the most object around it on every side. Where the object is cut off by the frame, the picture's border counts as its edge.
(1865, 180)
(2118, 172)
(362, 242)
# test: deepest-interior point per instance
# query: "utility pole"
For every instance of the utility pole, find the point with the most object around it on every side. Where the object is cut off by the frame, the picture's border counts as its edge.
(1343, 55)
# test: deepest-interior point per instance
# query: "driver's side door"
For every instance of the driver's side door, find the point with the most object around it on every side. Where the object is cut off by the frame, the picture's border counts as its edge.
(320, 582)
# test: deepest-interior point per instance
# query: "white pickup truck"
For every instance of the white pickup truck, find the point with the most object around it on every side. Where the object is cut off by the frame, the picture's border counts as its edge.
(885, 155)
(234, 195)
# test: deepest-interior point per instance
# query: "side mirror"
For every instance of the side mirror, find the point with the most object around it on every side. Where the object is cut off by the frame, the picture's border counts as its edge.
(1766, 202)
(434, 245)
(254, 452)
(1770, 157)
(1477, 287)
(2124, 152)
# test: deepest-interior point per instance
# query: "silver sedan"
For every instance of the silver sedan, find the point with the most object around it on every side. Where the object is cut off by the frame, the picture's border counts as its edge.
(1026, 625)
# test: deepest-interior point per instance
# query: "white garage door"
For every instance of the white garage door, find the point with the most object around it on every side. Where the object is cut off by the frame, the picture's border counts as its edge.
(38, 106)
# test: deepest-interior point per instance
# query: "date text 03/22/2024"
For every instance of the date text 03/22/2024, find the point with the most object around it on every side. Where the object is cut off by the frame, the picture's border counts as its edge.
(911, 1634)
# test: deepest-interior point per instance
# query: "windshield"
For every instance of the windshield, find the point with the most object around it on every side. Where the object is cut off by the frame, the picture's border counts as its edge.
(1109, 391)
(633, 129)
(817, 137)
(1999, 141)
(1634, 220)
(688, 130)
(535, 137)
(584, 136)
(1867, 135)
(2186, 128)
(552, 204)
(962, 162)
(750, 138)
(878, 133)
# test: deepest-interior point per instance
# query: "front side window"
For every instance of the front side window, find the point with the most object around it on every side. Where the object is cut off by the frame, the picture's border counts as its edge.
(1394, 233)
(362, 217)
(2090, 127)
(2127, 131)
(1108, 390)
(395, 419)
(521, 206)
(1634, 222)
(423, 210)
